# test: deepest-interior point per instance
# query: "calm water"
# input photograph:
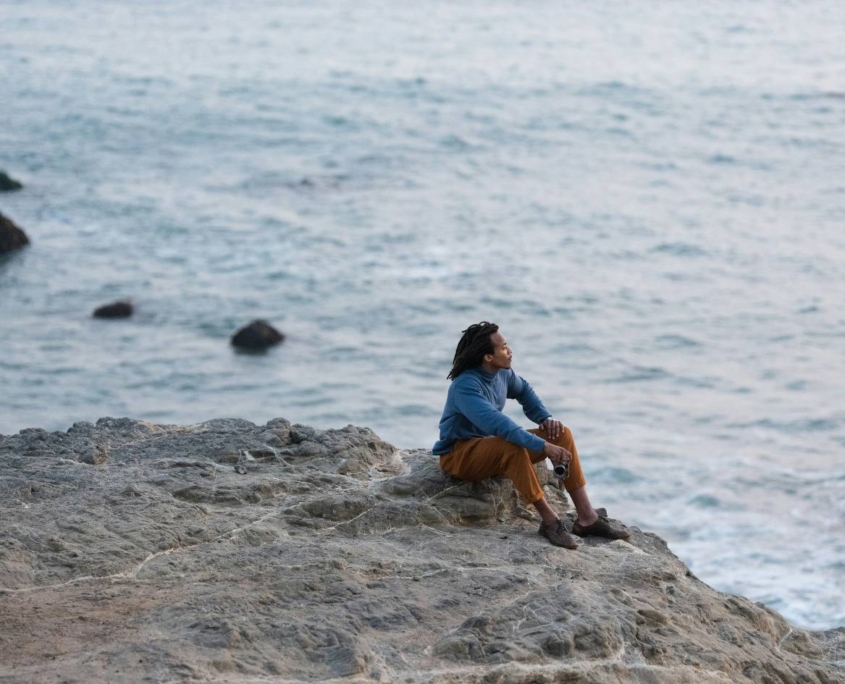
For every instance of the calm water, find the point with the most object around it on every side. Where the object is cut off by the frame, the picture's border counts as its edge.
(650, 200)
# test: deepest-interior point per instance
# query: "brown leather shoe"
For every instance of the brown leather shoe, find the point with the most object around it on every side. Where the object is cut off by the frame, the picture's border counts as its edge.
(601, 528)
(556, 533)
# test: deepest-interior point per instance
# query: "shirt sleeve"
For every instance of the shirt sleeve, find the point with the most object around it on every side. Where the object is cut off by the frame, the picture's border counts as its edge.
(480, 412)
(519, 389)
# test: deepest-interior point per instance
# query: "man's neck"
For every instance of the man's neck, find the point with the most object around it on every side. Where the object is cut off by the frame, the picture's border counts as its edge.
(490, 368)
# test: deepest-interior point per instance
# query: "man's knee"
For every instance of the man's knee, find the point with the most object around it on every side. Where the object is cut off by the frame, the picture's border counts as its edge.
(566, 440)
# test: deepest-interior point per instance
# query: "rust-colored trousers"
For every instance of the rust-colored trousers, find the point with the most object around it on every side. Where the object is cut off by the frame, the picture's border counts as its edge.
(482, 457)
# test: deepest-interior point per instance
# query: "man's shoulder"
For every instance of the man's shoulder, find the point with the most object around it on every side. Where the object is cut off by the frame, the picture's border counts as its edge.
(514, 381)
(468, 377)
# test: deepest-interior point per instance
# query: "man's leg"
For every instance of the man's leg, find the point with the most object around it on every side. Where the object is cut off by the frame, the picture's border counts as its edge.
(588, 522)
(483, 457)
(575, 482)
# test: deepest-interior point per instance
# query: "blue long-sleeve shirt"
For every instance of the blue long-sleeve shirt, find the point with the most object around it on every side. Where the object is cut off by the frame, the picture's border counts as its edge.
(474, 406)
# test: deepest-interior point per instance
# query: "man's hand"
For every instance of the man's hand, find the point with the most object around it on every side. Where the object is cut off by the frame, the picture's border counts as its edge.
(553, 428)
(556, 454)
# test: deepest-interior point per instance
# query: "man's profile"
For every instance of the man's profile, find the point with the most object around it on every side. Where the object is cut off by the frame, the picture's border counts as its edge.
(478, 441)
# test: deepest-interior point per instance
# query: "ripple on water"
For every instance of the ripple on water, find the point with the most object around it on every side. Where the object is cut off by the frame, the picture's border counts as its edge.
(676, 341)
(615, 476)
(679, 249)
(793, 426)
(640, 374)
(705, 501)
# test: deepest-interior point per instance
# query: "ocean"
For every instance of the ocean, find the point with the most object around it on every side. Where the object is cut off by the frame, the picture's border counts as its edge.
(649, 199)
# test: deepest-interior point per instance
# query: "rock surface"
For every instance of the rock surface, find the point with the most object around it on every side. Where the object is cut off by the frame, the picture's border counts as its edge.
(11, 237)
(257, 336)
(232, 552)
(121, 309)
(8, 184)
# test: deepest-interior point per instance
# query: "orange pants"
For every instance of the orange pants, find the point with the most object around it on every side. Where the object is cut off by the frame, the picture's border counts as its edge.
(482, 457)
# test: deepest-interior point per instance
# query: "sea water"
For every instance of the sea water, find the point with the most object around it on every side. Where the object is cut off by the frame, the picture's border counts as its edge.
(649, 199)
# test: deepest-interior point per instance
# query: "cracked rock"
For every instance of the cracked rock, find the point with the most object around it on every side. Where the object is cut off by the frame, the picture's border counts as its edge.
(136, 552)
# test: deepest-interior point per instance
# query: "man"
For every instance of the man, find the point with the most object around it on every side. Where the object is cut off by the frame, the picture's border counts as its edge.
(478, 441)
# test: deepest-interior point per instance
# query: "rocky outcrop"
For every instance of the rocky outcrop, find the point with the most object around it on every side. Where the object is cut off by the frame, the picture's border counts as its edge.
(232, 552)
(257, 336)
(11, 237)
(8, 184)
(121, 309)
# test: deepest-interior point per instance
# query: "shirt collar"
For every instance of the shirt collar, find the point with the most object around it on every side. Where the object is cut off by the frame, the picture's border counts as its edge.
(486, 375)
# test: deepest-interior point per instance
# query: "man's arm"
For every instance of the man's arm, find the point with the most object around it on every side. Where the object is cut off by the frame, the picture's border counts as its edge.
(519, 389)
(480, 412)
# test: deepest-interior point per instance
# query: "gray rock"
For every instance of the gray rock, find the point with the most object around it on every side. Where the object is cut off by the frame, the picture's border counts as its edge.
(136, 552)
(11, 237)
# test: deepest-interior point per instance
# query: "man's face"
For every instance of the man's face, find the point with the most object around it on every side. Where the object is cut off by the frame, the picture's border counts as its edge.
(502, 354)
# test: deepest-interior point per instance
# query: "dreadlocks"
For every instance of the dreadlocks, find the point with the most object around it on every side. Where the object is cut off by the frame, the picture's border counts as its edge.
(474, 344)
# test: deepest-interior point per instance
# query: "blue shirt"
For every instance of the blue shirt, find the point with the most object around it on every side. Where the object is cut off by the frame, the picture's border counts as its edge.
(474, 409)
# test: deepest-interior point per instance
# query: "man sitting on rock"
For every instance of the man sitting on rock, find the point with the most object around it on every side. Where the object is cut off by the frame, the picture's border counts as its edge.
(478, 441)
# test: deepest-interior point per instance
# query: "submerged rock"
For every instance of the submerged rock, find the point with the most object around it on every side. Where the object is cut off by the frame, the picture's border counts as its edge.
(256, 336)
(228, 551)
(121, 309)
(11, 237)
(8, 184)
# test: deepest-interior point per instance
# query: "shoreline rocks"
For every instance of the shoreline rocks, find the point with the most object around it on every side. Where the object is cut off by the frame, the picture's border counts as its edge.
(228, 552)
(11, 237)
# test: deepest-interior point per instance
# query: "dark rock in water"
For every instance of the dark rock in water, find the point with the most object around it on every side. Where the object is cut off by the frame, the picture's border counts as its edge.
(257, 335)
(11, 237)
(8, 184)
(114, 310)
